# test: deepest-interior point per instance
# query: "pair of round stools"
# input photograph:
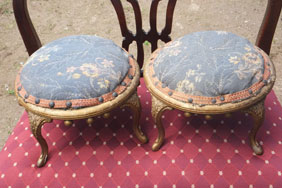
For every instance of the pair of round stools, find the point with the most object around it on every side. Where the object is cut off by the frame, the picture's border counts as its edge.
(209, 72)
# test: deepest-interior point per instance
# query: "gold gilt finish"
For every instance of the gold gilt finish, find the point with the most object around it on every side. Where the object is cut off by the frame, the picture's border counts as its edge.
(253, 105)
(38, 115)
(106, 115)
(187, 114)
(158, 107)
(208, 117)
(134, 104)
(257, 112)
(68, 123)
(89, 121)
(36, 123)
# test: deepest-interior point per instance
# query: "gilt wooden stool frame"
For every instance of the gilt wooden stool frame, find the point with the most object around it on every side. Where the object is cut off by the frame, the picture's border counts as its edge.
(254, 106)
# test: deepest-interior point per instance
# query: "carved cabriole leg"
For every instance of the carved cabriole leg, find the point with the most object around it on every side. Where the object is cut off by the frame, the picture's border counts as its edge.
(36, 123)
(158, 108)
(257, 112)
(134, 103)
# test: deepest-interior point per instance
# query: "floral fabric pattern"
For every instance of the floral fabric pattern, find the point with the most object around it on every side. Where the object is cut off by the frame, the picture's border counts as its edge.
(75, 67)
(209, 63)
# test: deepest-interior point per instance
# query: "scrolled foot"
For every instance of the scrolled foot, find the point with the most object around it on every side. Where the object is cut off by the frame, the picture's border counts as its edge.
(134, 104)
(140, 135)
(257, 148)
(158, 143)
(36, 123)
(158, 108)
(257, 112)
(42, 160)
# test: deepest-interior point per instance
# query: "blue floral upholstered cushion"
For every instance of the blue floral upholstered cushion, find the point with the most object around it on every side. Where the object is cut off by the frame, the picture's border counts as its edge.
(210, 67)
(75, 71)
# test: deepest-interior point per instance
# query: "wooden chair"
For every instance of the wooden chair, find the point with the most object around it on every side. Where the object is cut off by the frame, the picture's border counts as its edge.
(39, 115)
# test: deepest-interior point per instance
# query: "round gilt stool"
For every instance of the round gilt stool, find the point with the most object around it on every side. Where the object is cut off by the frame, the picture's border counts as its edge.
(77, 77)
(209, 72)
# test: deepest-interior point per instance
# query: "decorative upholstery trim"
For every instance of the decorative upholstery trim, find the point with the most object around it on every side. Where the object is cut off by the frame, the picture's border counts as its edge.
(78, 103)
(218, 100)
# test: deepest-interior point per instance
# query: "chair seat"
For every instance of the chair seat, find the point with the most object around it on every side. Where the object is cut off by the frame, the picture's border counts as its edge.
(209, 68)
(75, 72)
(218, 148)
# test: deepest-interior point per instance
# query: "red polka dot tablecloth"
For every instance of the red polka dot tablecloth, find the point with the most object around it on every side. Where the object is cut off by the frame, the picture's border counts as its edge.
(196, 153)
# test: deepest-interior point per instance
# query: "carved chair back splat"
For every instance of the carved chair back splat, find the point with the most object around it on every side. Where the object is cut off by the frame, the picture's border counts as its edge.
(32, 41)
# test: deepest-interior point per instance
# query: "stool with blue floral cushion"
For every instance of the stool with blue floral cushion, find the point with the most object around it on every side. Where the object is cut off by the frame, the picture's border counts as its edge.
(77, 77)
(209, 72)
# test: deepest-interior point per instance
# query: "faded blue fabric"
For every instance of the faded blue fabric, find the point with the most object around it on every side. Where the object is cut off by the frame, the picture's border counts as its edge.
(209, 63)
(75, 67)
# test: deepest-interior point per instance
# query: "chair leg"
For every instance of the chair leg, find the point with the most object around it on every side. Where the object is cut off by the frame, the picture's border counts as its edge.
(257, 112)
(134, 103)
(158, 108)
(36, 123)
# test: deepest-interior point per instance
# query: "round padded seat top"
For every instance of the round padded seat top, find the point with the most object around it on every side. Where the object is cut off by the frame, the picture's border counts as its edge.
(75, 71)
(209, 67)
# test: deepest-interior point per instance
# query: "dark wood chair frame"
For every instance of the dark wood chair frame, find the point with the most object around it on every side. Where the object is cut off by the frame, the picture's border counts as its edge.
(32, 41)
